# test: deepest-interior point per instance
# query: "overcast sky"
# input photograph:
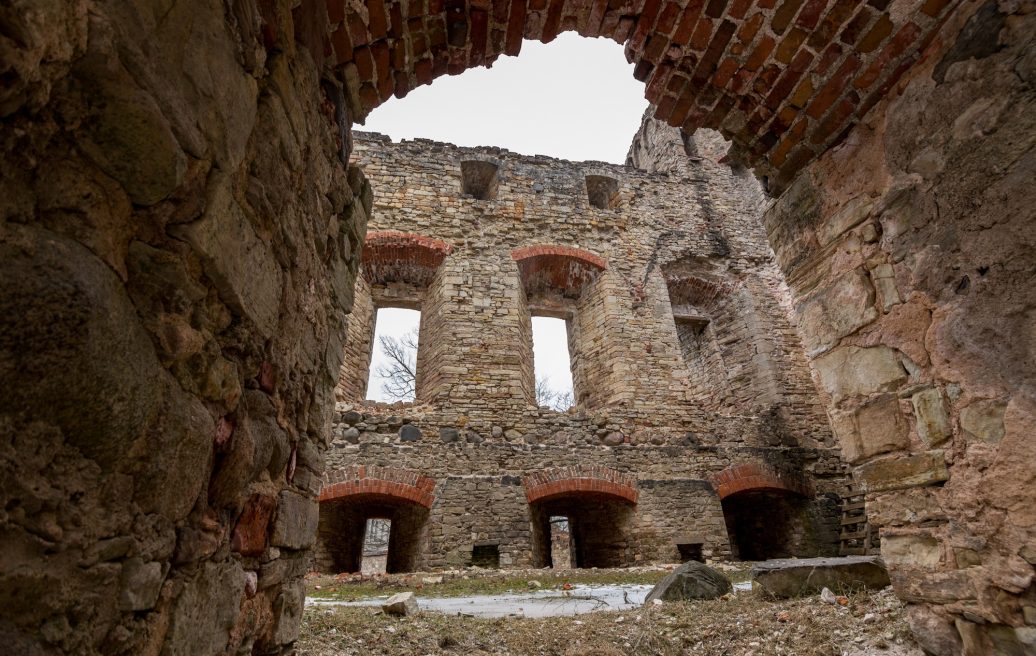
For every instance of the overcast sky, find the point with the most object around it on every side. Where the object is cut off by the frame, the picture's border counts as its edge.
(574, 98)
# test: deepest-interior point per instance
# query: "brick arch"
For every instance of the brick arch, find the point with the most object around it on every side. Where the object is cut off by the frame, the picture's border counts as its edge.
(784, 79)
(564, 269)
(394, 256)
(698, 292)
(563, 481)
(756, 476)
(387, 482)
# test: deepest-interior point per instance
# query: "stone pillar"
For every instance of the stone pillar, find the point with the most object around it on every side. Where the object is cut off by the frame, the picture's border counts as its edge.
(909, 250)
(183, 231)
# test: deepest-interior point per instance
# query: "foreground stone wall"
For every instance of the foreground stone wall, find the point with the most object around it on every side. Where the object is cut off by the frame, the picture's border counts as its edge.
(910, 253)
(178, 247)
(684, 361)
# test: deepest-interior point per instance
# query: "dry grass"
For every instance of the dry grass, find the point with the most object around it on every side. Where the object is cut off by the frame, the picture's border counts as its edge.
(738, 625)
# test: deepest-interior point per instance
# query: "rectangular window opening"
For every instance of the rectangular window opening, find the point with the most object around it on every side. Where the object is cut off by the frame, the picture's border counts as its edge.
(393, 370)
(486, 556)
(552, 365)
(374, 558)
(479, 179)
(602, 192)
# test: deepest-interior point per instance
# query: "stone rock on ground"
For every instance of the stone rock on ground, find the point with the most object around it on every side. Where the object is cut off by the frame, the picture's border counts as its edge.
(796, 577)
(402, 603)
(692, 580)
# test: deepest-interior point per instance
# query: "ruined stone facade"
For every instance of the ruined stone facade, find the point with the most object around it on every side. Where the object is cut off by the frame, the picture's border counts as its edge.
(684, 362)
(180, 237)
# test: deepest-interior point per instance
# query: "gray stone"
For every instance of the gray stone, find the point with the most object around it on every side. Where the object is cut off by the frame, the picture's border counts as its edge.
(795, 577)
(614, 438)
(401, 603)
(409, 433)
(239, 262)
(204, 612)
(296, 524)
(448, 435)
(351, 417)
(689, 581)
(287, 611)
(140, 582)
(351, 435)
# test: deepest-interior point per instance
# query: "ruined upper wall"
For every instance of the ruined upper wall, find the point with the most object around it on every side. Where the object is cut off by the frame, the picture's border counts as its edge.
(660, 234)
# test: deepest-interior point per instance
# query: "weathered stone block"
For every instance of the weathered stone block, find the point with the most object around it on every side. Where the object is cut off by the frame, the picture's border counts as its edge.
(911, 550)
(807, 576)
(409, 433)
(240, 263)
(853, 371)
(933, 422)
(204, 612)
(898, 472)
(875, 428)
(401, 603)
(295, 526)
(984, 420)
(838, 309)
(140, 584)
(692, 580)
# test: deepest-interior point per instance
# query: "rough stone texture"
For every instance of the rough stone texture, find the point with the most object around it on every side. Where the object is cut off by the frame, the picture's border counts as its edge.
(686, 416)
(943, 167)
(807, 576)
(131, 353)
(688, 582)
(178, 211)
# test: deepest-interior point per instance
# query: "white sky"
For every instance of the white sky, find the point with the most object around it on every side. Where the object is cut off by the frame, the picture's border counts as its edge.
(574, 98)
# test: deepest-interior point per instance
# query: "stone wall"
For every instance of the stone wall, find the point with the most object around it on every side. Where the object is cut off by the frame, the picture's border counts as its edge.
(183, 228)
(910, 253)
(630, 276)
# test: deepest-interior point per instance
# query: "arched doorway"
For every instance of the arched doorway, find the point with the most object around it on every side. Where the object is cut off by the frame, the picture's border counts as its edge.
(582, 520)
(362, 502)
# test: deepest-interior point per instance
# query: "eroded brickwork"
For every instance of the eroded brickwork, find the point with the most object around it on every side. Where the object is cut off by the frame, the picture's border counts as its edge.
(910, 250)
(626, 267)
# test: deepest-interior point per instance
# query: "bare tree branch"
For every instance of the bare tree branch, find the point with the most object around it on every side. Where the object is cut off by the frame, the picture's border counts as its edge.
(400, 370)
(548, 397)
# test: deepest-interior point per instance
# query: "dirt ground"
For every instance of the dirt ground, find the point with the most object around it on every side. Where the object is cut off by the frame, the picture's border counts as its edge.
(742, 624)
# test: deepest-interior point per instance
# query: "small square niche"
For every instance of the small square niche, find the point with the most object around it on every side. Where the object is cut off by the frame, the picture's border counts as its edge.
(486, 556)
(602, 191)
(479, 179)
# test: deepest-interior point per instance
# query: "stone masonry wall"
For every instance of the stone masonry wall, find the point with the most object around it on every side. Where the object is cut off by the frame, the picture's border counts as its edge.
(621, 275)
(179, 233)
(910, 252)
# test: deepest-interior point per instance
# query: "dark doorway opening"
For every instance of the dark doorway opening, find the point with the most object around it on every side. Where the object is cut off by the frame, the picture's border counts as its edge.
(598, 528)
(765, 524)
(344, 526)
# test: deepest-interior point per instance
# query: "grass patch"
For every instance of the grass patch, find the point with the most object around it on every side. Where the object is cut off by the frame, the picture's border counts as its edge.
(459, 584)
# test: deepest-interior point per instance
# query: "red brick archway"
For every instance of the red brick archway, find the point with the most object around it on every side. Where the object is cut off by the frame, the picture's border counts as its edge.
(554, 483)
(394, 256)
(388, 482)
(756, 476)
(562, 269)
(784, 79)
